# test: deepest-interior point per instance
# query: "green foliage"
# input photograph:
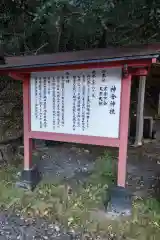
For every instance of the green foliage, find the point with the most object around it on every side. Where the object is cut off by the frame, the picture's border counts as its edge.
(105, 168)
(62, 25)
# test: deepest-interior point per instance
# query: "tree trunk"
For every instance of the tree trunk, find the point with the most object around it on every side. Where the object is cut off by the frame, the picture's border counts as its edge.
(140, 112)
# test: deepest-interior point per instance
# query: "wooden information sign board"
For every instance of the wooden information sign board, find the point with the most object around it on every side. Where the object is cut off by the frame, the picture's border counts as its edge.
(81, 102)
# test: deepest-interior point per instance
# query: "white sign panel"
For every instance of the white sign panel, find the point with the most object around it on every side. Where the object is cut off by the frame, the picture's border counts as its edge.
(81, 102)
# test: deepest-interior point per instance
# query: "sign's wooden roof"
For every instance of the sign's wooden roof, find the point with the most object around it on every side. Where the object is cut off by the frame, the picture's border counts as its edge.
(80, 57)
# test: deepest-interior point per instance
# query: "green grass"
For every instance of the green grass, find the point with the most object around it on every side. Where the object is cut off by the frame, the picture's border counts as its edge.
(75, 209)
(54, 200)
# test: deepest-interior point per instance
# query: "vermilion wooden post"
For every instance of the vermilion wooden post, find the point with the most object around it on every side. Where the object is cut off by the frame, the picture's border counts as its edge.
(30, 175)
(26, 119)
(124, 125)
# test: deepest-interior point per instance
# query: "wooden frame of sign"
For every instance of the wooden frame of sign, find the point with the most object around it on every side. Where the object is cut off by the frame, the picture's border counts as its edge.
(81, 102)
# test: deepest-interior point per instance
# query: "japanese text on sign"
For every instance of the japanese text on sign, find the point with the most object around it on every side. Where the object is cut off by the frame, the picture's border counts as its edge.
(81, 102)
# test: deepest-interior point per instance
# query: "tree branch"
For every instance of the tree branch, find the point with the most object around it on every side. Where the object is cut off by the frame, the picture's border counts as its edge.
(44, 45)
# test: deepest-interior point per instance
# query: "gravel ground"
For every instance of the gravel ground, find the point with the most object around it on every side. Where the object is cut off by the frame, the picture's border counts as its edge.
(72, 162)
(66, 162)
(14, 227)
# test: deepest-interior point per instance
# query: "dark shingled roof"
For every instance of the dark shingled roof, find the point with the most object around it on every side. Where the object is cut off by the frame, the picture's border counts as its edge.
(88, 56)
